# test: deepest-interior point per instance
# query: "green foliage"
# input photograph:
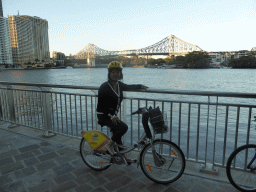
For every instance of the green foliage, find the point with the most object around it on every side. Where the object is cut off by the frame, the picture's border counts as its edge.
(180, 58)
(202, 63)
(197, 59)
(151, 62)
(168, 60)
(243, 62)
(159, 60)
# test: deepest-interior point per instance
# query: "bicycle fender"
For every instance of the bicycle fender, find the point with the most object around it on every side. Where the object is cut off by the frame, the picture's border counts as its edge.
(158, 159)
(96, 139)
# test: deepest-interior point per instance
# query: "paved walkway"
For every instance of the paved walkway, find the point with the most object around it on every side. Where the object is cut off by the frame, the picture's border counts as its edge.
(32, 163)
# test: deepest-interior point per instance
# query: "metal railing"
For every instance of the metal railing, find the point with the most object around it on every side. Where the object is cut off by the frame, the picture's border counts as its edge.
(207, 126)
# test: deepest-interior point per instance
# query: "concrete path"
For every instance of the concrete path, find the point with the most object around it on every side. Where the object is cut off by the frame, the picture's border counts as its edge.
(32, 163)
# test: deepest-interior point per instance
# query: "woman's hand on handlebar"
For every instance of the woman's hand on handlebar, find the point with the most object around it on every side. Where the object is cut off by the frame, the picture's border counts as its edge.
(115, 119)
(140, 111)
(144, 87)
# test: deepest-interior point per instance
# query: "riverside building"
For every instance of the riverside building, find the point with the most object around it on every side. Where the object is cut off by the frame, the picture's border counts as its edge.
(29, 39)
(219, 57)
(58, 57)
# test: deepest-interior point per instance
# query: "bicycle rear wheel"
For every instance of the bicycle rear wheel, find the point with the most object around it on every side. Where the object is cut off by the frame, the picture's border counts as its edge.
(173, 166)
(239, 175)
(95, 161)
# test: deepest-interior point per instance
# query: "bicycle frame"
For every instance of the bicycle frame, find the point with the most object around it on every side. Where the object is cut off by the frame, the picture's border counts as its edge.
(249, 165)
(143, 137)
(146, 134)
(98, 139)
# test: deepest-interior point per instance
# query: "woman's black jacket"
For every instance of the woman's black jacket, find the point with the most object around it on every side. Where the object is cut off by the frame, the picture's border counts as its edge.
(109, 101)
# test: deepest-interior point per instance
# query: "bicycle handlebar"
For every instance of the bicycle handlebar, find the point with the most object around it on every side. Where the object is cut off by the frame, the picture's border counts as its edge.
(140, 111)
(145, 116)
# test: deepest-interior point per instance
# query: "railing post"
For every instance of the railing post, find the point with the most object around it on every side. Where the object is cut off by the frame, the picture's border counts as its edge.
(47, 112)
(209, 167)
(1, 113)
(123, 117)
(98, 127)
(124, 108)
(11, 107)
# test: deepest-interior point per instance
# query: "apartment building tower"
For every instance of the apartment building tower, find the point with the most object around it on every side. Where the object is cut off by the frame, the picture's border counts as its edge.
(5, 45)
(1, 9)
(29, 39)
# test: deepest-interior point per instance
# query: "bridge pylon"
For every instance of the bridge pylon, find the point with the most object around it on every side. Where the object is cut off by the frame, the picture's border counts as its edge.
(91, 62)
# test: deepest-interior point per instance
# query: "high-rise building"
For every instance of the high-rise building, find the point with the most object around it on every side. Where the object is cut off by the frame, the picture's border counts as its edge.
(29, 39)
(1, 9)
(5, 46)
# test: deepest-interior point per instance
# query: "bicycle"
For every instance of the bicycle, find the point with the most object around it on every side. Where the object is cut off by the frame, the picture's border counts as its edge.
(241, 167)
(162, 161)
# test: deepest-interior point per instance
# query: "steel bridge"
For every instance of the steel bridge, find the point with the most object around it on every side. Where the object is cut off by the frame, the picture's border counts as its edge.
(170, 45)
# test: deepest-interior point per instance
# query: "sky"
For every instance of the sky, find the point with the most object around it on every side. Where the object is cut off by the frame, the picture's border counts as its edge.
(213, 25)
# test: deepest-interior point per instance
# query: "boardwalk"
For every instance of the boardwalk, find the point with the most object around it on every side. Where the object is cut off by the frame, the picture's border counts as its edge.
(32, 163)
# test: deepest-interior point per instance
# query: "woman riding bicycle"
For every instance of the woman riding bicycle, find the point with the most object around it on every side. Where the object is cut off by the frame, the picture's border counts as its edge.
(110, 96)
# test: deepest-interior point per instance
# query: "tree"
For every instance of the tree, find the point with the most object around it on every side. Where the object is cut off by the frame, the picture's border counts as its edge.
(151, 62)
(169, 59)
(180, 58)
(134, 60)
(159, 60)
(197, 59)
(243, 62)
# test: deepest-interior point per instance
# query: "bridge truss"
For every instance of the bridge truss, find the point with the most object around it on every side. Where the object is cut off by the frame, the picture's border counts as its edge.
(170, 45)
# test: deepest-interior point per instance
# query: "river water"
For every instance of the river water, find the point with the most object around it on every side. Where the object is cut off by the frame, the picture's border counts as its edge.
(224, 80)
(219, 80)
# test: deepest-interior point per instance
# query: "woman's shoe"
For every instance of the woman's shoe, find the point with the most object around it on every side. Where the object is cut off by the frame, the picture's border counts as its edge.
(109, 146)
(128, 160)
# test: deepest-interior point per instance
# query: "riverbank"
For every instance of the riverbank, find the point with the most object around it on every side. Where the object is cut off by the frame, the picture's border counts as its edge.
(3, 69)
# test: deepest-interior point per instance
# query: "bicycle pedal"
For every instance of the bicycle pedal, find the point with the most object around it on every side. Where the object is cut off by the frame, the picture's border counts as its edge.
(134, 161)
(142, 142)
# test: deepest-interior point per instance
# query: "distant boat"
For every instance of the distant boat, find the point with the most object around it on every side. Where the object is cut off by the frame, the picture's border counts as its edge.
(166, 66)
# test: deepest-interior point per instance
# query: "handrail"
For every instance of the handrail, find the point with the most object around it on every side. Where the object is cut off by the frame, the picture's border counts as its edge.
(213, 127)
(149, 90)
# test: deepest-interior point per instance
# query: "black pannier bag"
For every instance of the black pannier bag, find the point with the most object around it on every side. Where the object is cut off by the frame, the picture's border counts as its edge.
(157, 121)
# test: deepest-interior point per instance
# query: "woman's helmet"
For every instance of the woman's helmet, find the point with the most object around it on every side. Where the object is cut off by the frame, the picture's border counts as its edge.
(115, 64)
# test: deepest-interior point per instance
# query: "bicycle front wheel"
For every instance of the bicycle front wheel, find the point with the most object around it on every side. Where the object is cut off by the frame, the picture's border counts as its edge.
(173, 162)
(95, 161)
(240, 176)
